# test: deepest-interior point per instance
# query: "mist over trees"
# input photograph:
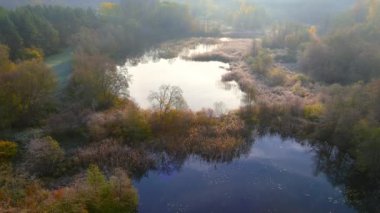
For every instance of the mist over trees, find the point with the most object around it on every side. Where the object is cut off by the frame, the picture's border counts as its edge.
(72, 147)
(243, 15)
(71, 3)
(33, 32)
(309, 11)
(349, 52)
(36, 31)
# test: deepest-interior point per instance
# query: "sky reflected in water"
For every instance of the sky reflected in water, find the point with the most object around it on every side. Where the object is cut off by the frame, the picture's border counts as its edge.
(200, 81)
(276, 176)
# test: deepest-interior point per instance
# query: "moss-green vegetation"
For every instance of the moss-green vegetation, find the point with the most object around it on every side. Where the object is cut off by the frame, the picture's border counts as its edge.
(313, 111)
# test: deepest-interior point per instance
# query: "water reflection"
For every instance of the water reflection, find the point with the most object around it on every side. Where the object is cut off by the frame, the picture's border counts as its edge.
(361, 188)
(200, 81)
(270, 175)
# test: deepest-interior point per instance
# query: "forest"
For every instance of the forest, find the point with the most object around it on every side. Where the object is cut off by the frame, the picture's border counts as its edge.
(78, 140)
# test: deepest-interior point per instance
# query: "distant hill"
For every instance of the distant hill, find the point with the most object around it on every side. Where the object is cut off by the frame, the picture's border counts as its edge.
(72, 3)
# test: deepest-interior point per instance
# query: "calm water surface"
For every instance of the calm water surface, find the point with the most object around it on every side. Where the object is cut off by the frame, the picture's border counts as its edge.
(200, 81)
(276, 176)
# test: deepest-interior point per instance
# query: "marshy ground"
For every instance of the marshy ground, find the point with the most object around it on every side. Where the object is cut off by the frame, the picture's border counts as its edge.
(236, 51)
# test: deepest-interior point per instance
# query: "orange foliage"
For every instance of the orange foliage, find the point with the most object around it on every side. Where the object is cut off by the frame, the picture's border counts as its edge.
(313, 32)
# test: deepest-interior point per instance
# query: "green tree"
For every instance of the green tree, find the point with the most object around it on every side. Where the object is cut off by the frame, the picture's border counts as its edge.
(348, 54)
(96, 82)
(9, 34)
(26, 93)
(115, 195)
(95, 178)
(35, 30)
(262, 62)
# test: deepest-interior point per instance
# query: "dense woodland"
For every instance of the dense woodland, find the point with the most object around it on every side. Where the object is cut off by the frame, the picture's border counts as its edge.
(75, 149)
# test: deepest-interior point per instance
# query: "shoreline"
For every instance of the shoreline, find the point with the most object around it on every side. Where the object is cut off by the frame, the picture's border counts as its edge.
(235, 52)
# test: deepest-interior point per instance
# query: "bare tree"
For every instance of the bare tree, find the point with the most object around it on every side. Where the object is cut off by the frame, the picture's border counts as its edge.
(168, 98)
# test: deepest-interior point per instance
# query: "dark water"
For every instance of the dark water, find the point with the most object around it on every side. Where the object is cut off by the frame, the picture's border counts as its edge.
(275, 176)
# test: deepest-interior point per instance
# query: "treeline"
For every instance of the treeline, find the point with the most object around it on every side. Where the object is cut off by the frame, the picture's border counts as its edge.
(288, 36)
(68, 3)
(350, 52)
(304, 11)
(241, 15)
(95, 83)
(35, 31)
(346, 52)
(125, 32)
(115, 29)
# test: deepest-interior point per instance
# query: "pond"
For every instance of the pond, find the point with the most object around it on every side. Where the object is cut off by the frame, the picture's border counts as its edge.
(276, 175)
(200, 81)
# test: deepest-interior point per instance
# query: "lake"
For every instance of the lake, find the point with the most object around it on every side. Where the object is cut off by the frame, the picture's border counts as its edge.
(276, 175)
(268, 174)
(200, 81)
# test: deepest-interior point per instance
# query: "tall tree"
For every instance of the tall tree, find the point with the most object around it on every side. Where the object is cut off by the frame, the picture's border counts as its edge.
(26, 93)
(96, 82)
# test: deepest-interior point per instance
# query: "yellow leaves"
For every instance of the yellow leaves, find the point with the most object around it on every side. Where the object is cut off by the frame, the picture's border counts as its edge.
(313, 33)
(314, 111)
(32, 53)
(7, 149)
(107, 7)
(277, 76)
(313, 30)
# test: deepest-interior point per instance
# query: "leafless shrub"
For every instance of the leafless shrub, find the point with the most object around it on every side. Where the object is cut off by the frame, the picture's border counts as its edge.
(44, 156)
